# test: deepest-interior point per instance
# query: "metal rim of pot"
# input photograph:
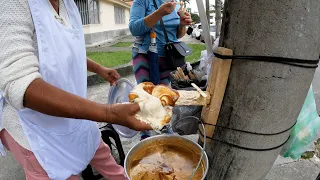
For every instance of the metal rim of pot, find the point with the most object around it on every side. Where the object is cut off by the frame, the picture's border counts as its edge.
(204, 154)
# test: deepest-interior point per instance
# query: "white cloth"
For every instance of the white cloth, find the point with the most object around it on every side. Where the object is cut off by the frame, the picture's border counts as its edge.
(2, 151)
(19, 64)
(62, 146)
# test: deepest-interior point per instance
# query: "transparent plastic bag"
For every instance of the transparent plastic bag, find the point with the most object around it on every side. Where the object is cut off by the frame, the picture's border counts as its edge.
(205, 62)
(304, 132)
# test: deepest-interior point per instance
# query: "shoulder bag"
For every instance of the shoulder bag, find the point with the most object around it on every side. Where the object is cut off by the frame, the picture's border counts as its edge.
(175, 51)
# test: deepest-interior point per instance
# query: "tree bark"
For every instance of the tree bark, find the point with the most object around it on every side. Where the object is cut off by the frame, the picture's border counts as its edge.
(218, 17)
(260, 96)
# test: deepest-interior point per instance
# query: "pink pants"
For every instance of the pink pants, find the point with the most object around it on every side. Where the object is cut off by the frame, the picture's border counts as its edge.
(102, 161)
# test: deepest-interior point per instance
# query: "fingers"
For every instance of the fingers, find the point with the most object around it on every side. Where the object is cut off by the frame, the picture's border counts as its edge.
(114, 73)
(186, 22)
(185, 17)
(141, 126)
(114, 76)
(170, 5)
(187, 14)
(167, 7)
(135, 108)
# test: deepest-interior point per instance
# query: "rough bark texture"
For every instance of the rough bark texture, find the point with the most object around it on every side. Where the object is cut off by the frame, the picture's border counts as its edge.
(218, 17)
(262, 97)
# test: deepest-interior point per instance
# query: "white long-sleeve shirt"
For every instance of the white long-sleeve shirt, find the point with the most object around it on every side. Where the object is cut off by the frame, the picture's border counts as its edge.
(19, 63)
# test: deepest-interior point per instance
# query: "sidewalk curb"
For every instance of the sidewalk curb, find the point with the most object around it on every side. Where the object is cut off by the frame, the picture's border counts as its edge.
(123, 70)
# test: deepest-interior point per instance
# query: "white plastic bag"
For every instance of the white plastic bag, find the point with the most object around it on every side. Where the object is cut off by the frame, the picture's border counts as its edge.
(205, 61)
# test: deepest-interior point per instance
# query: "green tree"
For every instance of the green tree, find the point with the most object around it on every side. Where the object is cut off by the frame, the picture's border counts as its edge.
(188, 10)
(195, 18)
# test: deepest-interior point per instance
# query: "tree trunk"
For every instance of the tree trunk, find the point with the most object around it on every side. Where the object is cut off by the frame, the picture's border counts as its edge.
(218, 17)
(260, 96)
(208, 11)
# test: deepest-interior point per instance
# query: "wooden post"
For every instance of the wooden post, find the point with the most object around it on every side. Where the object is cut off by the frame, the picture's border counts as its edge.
(262, 97)
(217, 83)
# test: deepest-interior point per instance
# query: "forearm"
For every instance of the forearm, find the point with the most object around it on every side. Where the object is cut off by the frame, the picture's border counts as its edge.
(137, 24)
(153, 18)
(45, 98)
(181, 31)
(93, 66)
(139, 27)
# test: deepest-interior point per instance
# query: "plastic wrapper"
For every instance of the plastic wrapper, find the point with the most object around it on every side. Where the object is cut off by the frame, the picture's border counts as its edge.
(184, 119)
(181, 84)
(206, 60)
(304, 132)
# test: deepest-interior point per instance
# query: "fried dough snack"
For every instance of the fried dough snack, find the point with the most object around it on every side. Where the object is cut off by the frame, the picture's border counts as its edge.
(155, 103)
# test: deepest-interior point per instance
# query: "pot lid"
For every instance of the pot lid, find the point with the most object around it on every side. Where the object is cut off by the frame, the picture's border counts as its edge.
(119, 94)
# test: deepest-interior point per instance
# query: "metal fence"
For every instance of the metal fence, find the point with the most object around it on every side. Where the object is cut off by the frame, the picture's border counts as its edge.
(89, 11)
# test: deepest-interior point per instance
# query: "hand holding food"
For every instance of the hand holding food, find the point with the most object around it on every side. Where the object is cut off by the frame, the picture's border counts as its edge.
(185, 18)
(155, 103)
(124, 114)
(167, 8)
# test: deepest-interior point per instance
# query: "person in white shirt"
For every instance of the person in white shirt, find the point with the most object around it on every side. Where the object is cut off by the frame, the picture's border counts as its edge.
(45, 119)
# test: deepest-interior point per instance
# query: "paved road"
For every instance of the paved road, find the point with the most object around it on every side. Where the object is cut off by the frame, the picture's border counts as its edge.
(283, 169)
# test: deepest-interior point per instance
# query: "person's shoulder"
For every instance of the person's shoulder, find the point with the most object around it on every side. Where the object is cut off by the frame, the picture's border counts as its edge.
(16, 8)
(146, 3)
(16, 4)
(16, 17)
(140, 1)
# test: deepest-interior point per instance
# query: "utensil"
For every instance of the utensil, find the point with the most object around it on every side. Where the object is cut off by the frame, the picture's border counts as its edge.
(119, 94)
(171, 140)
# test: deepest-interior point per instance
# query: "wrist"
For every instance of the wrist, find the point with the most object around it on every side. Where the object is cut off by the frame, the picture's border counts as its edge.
(108, 114)
(159, 14)
(181, 26)
(99, 69)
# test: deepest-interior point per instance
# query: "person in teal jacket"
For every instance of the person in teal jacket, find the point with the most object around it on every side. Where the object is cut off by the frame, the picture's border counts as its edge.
(144, 16)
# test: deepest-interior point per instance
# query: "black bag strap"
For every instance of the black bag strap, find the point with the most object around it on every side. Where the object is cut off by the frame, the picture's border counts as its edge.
(162, 24)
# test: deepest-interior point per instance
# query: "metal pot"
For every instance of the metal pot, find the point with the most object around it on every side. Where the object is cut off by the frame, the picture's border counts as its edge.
(151, 144)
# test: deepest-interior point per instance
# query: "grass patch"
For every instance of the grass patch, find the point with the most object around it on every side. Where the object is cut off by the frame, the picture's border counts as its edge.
(110, 59)
(196, 52)
(122, 44)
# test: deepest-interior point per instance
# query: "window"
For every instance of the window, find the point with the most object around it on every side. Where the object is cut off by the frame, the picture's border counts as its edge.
(119, 15)
(89, 11)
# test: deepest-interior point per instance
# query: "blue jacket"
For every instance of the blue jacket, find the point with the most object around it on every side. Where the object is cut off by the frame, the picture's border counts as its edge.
(139, 10)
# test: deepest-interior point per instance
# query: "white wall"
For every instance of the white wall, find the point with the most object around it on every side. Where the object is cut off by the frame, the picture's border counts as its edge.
(107, 22)
(213, 20)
